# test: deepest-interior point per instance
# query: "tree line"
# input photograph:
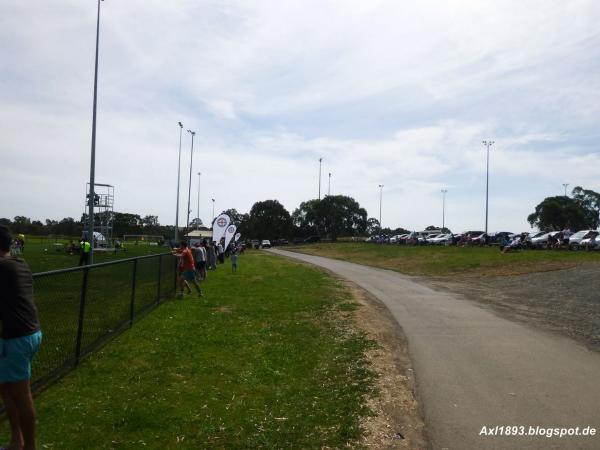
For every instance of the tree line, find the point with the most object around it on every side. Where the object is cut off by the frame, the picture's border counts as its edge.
(332, 217)
(123, 223)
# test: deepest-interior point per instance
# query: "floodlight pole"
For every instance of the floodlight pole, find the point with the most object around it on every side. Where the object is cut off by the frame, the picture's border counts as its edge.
(93, 156)
(198, 212)
(488, 144)
(565, 185)
(213, 219)
(187, 226)
(178, 178)
(444, 191)
(329, 185)
(320, 162)
(380, 204)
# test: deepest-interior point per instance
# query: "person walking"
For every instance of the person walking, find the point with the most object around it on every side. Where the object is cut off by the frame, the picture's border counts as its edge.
(20, 341)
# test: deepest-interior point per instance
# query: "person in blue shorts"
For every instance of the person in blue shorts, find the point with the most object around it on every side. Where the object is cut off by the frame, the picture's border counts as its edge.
(19, 342)
(234, 261)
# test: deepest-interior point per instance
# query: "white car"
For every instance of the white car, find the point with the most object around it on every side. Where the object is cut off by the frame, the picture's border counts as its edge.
(265, 244)
(591, 241)
(442, 239)
(576, 238)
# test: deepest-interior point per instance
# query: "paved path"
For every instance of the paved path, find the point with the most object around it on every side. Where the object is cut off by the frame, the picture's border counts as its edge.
(475, 369)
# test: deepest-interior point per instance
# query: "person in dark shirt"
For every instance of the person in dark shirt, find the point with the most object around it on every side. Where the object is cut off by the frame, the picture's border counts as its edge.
(19, 342)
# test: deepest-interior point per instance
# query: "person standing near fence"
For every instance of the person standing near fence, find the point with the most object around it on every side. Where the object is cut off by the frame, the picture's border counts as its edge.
(188, 274)
(200, 258)
(20, 341)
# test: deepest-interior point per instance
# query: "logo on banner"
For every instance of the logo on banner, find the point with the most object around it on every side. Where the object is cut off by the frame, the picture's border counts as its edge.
(220, 226)
(229, 235)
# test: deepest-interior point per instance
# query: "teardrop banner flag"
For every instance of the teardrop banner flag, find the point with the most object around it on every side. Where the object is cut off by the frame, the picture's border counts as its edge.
(229, 233)
(220, 226)
(237, 237)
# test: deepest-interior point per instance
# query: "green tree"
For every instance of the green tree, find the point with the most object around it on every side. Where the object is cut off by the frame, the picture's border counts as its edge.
(557, 213)
(590, 202)
(373, 226)
(305, 218)
(268, 220)
(333, 216)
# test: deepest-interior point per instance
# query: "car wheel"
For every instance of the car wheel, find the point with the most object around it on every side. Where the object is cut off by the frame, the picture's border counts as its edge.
(574, 247)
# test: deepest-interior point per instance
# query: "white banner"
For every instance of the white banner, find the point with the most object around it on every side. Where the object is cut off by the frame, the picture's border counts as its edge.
(229, 233)
(237, 237)
(220, 226)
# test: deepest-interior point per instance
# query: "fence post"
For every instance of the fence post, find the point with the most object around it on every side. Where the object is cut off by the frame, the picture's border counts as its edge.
(159, 277)
(81, 314)
(132, 301)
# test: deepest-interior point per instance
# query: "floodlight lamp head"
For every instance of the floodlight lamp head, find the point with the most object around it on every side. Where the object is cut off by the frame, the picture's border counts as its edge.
(180, 124)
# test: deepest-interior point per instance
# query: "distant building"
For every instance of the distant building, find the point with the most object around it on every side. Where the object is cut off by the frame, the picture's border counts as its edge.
(198, 235)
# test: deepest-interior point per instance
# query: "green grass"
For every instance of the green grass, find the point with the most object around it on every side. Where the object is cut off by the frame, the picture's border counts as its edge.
(42, 256)
(267, 359)
(450, 261)
(107, 306)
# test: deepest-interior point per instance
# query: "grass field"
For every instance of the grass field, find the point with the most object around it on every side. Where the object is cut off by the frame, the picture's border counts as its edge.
(42, 256)
(266, 359)
(449, 261)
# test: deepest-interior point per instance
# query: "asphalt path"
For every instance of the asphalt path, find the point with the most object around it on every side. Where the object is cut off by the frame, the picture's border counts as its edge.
(475, 369)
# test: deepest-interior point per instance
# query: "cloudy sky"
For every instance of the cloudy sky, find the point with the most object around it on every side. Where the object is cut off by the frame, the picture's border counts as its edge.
(386, 92)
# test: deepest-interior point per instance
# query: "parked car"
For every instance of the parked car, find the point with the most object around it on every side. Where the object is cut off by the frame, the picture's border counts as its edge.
(499, 236)
(442, 239)
(533, 235)
(311, 239)
(576, 238)
(396, 239)
(429, 237)
(591, 241)
(265, 243)
(402, 238)
(298, 240)
(280, 242)
(479, 239)
(542, 241)
(255, 243)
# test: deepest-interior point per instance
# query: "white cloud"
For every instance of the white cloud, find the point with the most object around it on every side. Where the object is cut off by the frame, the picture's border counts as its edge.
(386, 92)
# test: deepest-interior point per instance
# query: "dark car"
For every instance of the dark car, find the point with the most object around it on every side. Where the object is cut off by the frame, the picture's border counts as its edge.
(298, 240)
(310, 239)
(280, 242)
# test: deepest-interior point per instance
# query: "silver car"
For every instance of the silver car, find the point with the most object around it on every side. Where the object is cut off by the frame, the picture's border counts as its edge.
(591, 241)
(576, 238)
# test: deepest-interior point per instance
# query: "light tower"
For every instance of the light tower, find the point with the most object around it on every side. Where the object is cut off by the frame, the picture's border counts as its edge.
(488, 144)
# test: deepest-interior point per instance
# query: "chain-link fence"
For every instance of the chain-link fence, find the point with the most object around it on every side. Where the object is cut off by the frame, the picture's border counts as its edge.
(81, 307)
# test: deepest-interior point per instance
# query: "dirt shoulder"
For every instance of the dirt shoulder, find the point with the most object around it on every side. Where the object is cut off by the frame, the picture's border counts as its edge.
(563, 301)
(397, 422)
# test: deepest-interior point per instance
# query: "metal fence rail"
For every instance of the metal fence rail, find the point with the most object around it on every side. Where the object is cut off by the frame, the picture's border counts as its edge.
(81, 307)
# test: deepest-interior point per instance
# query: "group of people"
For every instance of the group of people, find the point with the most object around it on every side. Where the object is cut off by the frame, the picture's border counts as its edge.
(17, 245)
(193, 262)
